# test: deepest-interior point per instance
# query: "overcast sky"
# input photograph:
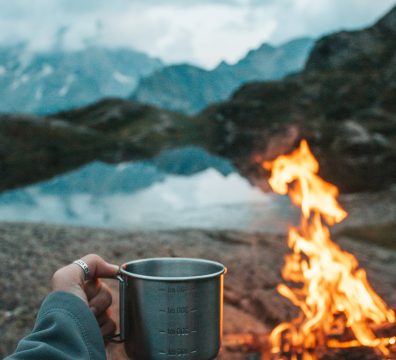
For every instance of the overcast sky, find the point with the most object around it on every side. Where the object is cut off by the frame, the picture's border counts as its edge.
(202, 32)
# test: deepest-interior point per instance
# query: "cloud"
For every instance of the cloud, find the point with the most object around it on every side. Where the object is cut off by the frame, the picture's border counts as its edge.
(203, 32)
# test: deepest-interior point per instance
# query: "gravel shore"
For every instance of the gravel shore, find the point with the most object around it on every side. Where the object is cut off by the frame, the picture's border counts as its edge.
(29, 254)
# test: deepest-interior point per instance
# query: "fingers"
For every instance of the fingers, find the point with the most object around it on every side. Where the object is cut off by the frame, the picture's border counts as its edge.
(71, 278)
(101, 300)
(102, 319)
(106, 323)
(69, 274)
(98, 267)
(108, 327)
(92, 288)
(96, 294)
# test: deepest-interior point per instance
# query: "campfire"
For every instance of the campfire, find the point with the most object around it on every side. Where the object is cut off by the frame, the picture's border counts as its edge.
(338, 307)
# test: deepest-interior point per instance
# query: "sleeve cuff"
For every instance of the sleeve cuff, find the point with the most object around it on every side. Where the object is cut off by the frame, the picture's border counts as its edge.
(80, 312)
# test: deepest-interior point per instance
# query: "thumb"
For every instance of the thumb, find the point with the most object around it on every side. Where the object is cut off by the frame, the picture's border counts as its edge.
(98, 267)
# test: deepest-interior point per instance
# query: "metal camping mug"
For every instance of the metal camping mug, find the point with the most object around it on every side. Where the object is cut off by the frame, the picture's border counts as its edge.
(171, 308)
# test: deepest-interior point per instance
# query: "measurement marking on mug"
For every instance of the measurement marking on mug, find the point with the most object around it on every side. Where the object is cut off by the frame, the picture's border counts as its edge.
(178, 331)
(178, 310)
(177, 289)
(178, 352)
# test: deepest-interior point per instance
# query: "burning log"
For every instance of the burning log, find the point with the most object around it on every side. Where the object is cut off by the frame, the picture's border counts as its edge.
(253, 343)
(246, 342)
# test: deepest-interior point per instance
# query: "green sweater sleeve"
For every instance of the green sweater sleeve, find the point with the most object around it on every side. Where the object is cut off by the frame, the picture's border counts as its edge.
(65, 329)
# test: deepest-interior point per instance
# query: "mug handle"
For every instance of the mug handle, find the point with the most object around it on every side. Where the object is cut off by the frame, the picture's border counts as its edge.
(120, 337)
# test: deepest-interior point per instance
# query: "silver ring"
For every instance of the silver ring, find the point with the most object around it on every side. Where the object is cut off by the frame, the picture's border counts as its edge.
(83, 265)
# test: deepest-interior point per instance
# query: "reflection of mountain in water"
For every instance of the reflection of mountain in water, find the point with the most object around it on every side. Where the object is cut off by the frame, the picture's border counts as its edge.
(186, 187)
(98, 178)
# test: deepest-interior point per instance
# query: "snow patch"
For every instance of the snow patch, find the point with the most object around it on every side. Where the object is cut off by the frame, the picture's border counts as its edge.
(20, 81)
(38, 94)
(121, 78)
(24, 60)
(46, 70)
(121, 166)
(66, 87)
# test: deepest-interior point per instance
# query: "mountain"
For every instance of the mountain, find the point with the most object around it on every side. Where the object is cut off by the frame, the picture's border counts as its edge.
(188, 88)
(342, 102)
(34, 148)
(47, 82)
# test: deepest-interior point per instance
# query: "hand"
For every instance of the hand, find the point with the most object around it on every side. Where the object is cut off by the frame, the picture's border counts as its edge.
(93, 292)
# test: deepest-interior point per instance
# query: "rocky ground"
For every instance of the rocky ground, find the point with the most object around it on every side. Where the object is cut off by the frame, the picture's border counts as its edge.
(29, 254)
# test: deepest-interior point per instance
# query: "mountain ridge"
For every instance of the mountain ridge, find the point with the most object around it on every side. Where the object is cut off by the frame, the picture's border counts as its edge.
(187, 88)
(55, 80)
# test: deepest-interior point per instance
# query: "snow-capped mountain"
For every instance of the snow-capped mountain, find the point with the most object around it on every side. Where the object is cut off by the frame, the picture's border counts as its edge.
(46, 82)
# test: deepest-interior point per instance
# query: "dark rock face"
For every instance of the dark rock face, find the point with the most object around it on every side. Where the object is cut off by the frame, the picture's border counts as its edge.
(344, 103)
(189, 89)
(356, 51)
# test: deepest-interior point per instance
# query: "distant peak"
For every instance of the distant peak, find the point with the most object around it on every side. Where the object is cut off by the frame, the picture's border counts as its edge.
(222, 66)
(265, 46)
(301, 40)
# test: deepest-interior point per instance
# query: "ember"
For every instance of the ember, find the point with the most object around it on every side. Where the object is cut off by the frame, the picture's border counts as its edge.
(338, 307)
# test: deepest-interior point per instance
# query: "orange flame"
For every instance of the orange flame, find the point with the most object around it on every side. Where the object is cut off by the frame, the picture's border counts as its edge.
(334, 294)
